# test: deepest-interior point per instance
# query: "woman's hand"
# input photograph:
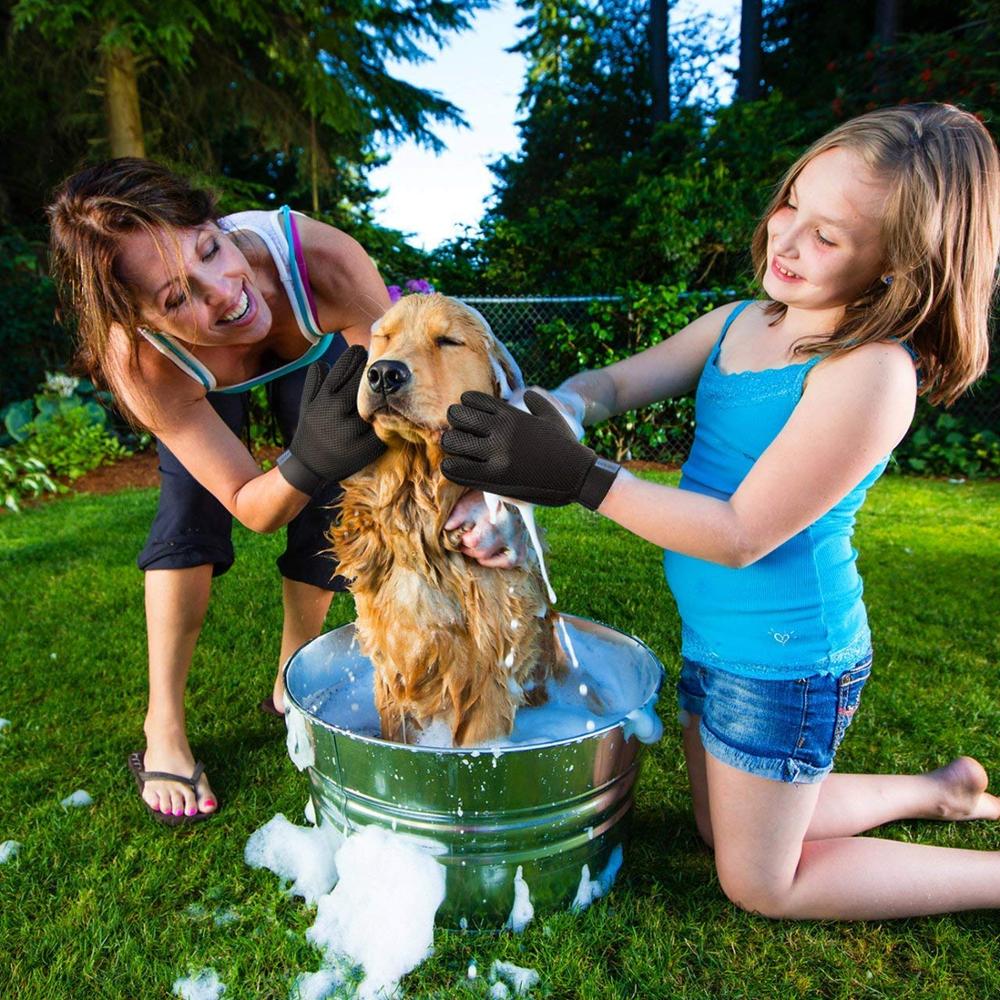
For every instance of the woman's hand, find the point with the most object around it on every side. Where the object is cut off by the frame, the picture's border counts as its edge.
(331, 441)
(534, 456)
(499, 545)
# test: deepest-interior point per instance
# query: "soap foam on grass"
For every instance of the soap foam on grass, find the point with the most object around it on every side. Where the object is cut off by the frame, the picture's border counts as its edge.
(303, 856)
(9, 850)
(203, 985)
(77, 800)
(376, 895)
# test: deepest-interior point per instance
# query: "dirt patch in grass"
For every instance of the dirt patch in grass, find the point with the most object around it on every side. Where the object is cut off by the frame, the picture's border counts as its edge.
(138, 471)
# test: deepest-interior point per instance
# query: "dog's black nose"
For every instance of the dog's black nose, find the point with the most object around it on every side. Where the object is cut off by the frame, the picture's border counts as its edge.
(387, 377)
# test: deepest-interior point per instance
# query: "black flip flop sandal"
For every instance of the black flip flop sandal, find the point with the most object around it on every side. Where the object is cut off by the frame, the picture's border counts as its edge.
(267, 706)
(136, 766)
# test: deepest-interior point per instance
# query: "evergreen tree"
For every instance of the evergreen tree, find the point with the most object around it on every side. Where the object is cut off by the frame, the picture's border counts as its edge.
(295, 91)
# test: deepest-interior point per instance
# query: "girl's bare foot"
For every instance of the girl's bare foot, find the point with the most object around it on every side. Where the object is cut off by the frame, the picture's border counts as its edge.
(963, 791)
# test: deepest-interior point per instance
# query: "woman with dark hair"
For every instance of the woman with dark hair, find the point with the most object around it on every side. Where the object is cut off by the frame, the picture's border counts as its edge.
(180, 313)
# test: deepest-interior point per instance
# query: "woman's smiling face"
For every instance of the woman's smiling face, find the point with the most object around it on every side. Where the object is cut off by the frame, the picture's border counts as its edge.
(824, 243)
(221, 305)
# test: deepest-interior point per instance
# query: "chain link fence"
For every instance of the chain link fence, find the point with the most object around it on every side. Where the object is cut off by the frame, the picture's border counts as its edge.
(534, 328)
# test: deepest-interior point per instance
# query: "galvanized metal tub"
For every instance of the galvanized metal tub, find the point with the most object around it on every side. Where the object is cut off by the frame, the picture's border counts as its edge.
(538, 812)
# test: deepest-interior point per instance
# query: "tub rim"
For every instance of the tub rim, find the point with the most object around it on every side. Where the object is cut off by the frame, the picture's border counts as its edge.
(475, 752)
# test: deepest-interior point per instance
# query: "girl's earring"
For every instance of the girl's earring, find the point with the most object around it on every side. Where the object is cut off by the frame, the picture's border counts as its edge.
(886, 279)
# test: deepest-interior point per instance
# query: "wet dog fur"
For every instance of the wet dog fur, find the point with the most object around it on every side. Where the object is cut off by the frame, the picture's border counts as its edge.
(449, 639)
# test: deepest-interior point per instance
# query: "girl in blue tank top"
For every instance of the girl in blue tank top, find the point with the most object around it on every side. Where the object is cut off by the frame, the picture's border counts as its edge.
(877, 258)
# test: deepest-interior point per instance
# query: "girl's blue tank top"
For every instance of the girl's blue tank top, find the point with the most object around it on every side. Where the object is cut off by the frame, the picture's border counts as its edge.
(797, 611)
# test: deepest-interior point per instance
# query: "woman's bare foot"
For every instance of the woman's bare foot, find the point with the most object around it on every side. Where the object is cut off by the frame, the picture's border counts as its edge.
(278, 693)
(173, 756)
(963, 791)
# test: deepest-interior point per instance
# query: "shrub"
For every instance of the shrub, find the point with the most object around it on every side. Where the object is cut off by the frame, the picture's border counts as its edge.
(70, 443)
(643, 316)
(30, 339)
(63, 431)
(22, 477)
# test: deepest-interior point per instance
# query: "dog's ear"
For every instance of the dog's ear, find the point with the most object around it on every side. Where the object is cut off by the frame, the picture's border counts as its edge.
(506, 373)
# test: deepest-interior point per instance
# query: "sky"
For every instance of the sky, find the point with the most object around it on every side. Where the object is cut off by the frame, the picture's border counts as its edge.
(435, 197)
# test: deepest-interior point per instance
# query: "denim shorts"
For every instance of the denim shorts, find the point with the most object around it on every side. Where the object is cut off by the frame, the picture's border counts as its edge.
(785, 730)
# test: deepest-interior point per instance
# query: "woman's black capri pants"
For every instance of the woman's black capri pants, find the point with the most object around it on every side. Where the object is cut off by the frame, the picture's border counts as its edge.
(192, 528)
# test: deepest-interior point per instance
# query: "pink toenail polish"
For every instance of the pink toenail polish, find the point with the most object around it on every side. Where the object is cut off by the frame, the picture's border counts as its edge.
(209, 803)
(178, 812)
(191, 811)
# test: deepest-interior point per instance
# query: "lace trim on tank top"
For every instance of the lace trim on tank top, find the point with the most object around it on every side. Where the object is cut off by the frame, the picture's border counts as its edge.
(740, 388)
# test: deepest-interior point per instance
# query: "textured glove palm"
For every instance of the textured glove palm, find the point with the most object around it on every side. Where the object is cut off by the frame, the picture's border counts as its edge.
(526, 456)
(331, 441)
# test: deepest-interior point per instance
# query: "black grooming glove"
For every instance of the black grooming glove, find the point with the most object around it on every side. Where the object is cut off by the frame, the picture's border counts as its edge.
(525, 456)
(331, 441)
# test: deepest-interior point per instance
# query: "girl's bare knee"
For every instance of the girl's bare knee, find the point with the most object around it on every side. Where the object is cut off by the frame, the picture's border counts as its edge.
(757, 896)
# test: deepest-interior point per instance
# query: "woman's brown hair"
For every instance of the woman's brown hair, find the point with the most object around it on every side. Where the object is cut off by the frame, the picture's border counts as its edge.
(89, 214)
(941, 238)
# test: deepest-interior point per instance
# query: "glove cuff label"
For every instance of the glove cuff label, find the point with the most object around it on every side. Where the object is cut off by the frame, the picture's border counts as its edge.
(297, 475)
(597, 482)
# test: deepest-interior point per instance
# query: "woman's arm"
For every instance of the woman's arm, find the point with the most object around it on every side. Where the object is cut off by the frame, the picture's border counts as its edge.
(854, 410)
(331, 441)
(350, 294)
(177, 411)
(670, 368)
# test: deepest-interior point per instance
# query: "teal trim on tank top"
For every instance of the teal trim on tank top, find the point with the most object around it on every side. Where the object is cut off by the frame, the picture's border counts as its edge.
(304, 313)
(314, 353)
(181, 357)
(304, 310)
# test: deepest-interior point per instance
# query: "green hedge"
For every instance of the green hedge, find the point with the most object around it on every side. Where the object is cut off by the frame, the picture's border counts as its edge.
(31, 341)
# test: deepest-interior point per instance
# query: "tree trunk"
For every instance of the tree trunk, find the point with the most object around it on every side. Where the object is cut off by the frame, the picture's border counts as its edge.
(886, 28)
(886, 21)
(121, 91)
(748, 87)
(659, 58)
(314, 163)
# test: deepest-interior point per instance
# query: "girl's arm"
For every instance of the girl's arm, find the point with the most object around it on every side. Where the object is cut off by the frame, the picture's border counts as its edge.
(670, 368)
(854, 411)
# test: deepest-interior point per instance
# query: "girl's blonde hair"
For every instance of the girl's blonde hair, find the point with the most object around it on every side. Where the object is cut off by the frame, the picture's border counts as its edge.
(89, 214)
(940, 234)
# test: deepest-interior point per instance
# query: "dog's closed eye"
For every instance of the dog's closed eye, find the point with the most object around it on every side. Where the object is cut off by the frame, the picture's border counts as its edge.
(449, 342)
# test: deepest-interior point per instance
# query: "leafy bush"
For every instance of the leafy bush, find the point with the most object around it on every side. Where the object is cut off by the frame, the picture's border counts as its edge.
(30, 339)
(22, 477)
(959, 441)
(947, 445)
(62, 431)
(71, 443)
(642, 317)
(60, 394)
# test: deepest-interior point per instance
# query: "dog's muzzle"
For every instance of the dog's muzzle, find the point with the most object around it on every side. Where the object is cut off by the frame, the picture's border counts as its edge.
(387, 377)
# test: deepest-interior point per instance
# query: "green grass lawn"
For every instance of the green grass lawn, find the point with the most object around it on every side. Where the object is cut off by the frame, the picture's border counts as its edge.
(103, 902)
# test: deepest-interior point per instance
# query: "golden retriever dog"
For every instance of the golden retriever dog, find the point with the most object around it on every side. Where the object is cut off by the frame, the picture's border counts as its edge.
(450, 640)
